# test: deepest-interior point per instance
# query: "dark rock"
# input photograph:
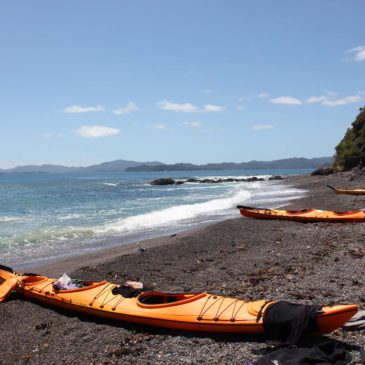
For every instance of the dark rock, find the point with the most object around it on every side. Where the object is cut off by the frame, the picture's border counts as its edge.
(323, 171)
(165, 181)
(169, 181)
(254, 178)
(276, 177)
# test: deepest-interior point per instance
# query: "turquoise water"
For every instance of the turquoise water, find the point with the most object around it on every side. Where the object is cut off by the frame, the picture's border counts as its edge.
(44, 217)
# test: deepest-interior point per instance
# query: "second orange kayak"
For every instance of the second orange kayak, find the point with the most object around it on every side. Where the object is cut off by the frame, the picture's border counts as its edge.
(304, 215)
(347, 191)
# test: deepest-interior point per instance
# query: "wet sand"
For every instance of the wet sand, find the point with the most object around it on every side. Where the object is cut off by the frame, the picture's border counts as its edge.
(319, 263)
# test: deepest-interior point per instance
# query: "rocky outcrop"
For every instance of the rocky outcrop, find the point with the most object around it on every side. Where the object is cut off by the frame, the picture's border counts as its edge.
(217, 181)
(323, 171)
(169, 181)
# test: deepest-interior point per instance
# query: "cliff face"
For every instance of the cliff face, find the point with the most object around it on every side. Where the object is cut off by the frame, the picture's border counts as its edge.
(350, 152)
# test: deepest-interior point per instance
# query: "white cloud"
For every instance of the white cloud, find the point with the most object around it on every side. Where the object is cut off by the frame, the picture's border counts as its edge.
(263, 95)
(260, 127)
(207, 91)
(212, 108)
(83, 109)
(129, 108)
(286, 100)
(316, 99)
(357, 54)
(96, 131)
(195, 124)
(329, 99)
(159, 126)
(183, 108)
(344, 101)
(188, 107)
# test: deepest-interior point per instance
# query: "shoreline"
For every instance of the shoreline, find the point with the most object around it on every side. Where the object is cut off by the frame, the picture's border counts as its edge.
(104, 255)
(31, 246)
(317, 263)
(124, 244)
(99, 256)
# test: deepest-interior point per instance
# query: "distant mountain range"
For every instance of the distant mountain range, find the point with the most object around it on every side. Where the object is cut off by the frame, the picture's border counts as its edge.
(289, 163)
(134, 166)
(113, 166)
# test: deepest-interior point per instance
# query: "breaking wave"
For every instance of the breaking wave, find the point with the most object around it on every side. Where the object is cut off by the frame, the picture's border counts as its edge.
(175, 214)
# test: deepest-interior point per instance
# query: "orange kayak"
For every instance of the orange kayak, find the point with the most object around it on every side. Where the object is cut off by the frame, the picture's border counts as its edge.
(185, 311)
(304, 215)
(348, 192)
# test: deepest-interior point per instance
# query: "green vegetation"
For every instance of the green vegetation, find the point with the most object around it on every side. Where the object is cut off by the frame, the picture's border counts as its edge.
(350, 152)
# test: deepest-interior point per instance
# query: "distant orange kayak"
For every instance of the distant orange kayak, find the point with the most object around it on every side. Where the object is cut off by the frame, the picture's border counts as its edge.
(185, 311)
(304, 215)
(348, 192)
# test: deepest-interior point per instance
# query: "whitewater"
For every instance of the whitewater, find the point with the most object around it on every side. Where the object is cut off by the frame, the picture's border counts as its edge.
(47, 217)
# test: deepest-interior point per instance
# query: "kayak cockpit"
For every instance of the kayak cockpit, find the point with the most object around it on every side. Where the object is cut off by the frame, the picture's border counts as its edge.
(348, 213)
(33, 280)
(158, 299)
(302, 211)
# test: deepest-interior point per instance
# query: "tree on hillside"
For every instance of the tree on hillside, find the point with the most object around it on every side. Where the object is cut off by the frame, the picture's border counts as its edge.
(350, 152)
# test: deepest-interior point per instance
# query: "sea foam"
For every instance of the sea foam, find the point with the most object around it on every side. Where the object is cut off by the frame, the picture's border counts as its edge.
(175, 214)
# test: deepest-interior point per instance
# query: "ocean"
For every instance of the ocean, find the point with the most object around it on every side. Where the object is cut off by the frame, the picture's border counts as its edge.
(46, 217)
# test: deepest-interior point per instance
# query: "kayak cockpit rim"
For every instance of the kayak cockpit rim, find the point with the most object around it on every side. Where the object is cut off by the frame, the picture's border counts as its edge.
(159, 299)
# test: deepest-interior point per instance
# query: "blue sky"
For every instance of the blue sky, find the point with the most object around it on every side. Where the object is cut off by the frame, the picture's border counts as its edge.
(84, 82)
